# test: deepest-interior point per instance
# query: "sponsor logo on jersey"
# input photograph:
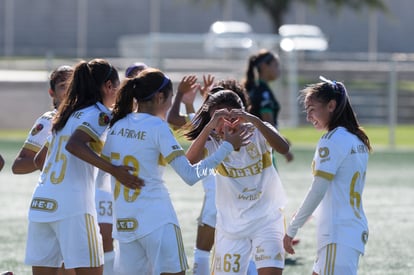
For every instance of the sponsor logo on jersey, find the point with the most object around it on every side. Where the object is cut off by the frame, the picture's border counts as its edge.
(44, 204)
(252, 197)
(359, 149)
(279, 257)
(103, 119)
(129, 133)
(260, 254)
(126, 225)
(175, 147)
(39, 127)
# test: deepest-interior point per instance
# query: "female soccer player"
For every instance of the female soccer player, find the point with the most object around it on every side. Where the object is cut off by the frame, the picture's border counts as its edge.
(339, 166)
(37, 137)
(249, 194)
(62, 215)
(147, 228)
(207, 219)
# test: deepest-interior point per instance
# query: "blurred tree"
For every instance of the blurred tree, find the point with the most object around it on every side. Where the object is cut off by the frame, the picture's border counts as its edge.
(276, 9)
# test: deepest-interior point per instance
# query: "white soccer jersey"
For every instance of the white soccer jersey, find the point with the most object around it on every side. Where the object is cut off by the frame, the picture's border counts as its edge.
(249, 192)
(341, 158)
(146, 143)
(39, 132)
(67, 184)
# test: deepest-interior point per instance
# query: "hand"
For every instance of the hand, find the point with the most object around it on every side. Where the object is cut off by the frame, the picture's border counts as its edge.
(288, 244)
(208, 84)
(218, 118)
(288, 156)
(238, 136)
(123, 175)
(188, 88)
(242, 115)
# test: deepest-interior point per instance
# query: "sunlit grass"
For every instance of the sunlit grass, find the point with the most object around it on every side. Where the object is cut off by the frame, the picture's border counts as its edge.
(380, 136)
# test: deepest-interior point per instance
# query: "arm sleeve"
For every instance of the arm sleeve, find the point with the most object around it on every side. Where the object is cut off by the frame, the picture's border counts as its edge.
(309, 204)
(193, 173)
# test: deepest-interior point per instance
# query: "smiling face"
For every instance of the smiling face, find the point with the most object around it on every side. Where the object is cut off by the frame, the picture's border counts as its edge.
(319, 113)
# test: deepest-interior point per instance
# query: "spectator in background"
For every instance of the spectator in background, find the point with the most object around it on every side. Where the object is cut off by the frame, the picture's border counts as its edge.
(263, 68)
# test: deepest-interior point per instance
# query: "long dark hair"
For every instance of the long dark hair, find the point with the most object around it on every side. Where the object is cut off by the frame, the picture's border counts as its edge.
(251, 78)
(84, 88)
(143, 88)
(343, 115)
(220, 99)
(238, 88)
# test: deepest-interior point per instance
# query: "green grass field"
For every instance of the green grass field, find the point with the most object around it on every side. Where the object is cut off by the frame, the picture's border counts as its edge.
(388, 202)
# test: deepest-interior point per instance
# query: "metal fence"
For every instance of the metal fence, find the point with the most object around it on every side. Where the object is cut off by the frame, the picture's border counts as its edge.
(381, 87)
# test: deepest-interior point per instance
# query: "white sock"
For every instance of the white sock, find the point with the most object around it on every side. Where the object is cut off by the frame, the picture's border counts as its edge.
(109, 258)
(252, 270)
(201, 262)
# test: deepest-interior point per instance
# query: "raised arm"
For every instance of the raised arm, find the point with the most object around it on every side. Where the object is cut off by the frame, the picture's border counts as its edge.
(276, 141)
(186, 93)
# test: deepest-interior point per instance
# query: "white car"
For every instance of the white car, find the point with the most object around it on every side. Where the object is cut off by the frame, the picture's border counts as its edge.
(229, 39)
(302, 38)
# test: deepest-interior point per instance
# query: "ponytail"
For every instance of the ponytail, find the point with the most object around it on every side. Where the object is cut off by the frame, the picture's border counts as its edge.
(124, 102)
(250, 81)
(84, 88)
(142, 88)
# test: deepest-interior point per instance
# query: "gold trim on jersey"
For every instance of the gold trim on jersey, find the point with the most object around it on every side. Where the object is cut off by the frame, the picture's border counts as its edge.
(173, 155)
(93, 243)
(95, 145)
(162, 161)
(322, 174)
(256, 168)
(32, 147)
(180, 246)
(330, 259)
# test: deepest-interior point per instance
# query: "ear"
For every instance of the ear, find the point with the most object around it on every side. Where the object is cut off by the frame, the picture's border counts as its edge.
(108, 84)
(107, 87)
(331, 105)
(160, 98)
(51, 93)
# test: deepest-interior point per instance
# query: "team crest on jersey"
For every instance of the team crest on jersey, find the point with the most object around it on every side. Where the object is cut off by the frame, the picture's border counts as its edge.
(252, 150)
(103, 119)
(39, 127)
(323, 152)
